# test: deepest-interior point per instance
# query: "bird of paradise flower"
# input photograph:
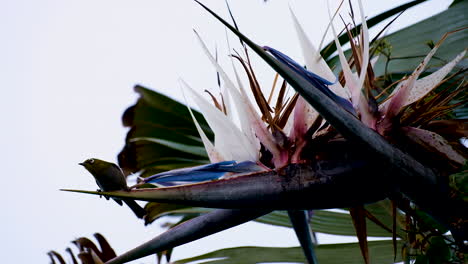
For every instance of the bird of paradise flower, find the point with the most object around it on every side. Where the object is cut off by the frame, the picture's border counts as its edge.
(279, 160)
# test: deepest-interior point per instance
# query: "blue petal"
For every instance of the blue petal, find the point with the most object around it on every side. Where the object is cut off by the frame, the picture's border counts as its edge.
(202, 173)
(296, 67)
(317, 81)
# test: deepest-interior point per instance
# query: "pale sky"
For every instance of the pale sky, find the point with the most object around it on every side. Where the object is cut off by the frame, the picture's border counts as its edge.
(67, 71)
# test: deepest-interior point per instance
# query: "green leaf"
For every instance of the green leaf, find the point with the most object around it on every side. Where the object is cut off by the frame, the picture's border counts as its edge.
(459, 183)
(194, 150)
(380, 251)
(323, 221)
(278, 218)
(329, 222)
(427, 222)
(162, 135)
(330, 48)
(383, 212)
(461, 112)
(412, 40)
(409, 45)
(421, 260)
(334, 223)
(438, 250)
(157, 210)
(456, 2)
(168, 112)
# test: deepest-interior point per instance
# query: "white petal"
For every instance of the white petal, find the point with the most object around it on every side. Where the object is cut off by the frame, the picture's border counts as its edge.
(244, 121)
(366, 116)
(226, 97)
(424, 85)
(245, 108)
(229, 140)
(230, 91)
(304, 117)
(403, 90)
(213, 153)
(351, 82)
(365, 48)
(434, 141)
(314, 61)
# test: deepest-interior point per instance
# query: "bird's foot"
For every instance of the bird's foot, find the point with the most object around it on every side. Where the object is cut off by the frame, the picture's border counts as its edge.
(100, 196)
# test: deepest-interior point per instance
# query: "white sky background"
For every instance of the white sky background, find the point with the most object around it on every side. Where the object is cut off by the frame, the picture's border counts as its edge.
(67, 69)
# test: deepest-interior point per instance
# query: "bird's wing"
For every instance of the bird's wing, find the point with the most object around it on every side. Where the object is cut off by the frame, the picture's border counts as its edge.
(107, 197)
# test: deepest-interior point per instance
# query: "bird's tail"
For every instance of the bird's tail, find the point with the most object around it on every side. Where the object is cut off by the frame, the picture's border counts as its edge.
(136, 208)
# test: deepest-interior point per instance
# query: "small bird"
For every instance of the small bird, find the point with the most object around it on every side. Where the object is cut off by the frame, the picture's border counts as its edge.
(109, 177)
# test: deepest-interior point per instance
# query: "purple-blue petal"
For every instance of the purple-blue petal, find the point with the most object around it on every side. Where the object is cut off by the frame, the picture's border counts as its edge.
(202, 173)
(317, 81)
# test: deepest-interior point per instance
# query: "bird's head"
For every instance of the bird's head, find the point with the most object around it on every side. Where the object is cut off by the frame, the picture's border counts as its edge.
(94, 165)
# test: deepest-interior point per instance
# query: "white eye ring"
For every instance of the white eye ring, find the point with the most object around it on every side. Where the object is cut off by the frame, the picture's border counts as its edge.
(91, 161)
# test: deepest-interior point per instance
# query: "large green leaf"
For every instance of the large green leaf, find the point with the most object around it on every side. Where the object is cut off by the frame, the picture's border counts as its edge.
(383, 212)
(157, 210)
(335, 223)
(380, 252)
(330, 48)
(409, 45)
(413, 40)
(323, 221)
(456, 2)
(162, 135)
(459, 183)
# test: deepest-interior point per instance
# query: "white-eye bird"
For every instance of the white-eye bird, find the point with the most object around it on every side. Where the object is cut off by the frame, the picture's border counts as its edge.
(109, 177)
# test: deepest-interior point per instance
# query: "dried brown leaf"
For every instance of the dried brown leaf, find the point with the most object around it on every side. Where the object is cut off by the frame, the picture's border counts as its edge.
(359, 220)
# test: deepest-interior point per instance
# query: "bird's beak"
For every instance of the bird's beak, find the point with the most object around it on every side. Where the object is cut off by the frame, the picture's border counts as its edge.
(81, 163)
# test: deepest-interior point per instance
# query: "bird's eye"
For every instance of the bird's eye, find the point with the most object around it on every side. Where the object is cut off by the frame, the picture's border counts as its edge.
(91, 161)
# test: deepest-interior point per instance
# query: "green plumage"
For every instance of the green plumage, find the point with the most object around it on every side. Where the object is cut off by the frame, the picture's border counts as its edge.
(109, 177)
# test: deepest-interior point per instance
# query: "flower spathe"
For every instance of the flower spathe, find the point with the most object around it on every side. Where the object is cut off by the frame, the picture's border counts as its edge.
(244, 141)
